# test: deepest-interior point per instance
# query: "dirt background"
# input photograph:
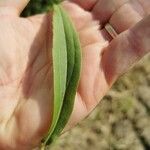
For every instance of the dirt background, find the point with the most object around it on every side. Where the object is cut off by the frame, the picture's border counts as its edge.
(122, 119)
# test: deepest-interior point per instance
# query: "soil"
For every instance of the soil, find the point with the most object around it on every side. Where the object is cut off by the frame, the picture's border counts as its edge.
(122, 119)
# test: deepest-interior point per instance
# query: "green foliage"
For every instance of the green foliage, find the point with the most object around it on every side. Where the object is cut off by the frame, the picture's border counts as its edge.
(66, 66)
(73, 73)
(59, 67)
(36, 6)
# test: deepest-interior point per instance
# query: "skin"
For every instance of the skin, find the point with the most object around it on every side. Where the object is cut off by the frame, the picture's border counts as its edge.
(26, 65)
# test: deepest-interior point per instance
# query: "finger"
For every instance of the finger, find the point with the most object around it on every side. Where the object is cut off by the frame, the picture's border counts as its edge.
(122, 14)
(87, 5)
(104, 9)
(129, 14)
(12, 7)
(126, 49)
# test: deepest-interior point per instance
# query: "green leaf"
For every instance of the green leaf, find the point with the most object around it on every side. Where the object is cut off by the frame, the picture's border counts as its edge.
(74, 67)
(59, 67)
(69, 44)
(67, 67)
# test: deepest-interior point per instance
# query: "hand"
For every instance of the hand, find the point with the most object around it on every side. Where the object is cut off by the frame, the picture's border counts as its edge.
(104, 58)
(26, 65)
(25, 77)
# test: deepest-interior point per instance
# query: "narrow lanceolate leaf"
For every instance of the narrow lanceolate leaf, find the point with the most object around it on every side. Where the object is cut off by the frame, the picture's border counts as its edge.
(69, 44)
(59, 67)
(74, 53)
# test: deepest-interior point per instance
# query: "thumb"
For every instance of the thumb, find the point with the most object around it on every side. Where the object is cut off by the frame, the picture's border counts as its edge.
(12, 7)
(126, 49)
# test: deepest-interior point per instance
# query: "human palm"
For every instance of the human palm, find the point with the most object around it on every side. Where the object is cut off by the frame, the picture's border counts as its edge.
(26, 73)
(25, 79)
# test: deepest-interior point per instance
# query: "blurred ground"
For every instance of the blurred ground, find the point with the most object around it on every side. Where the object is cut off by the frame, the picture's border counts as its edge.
(122, 119)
